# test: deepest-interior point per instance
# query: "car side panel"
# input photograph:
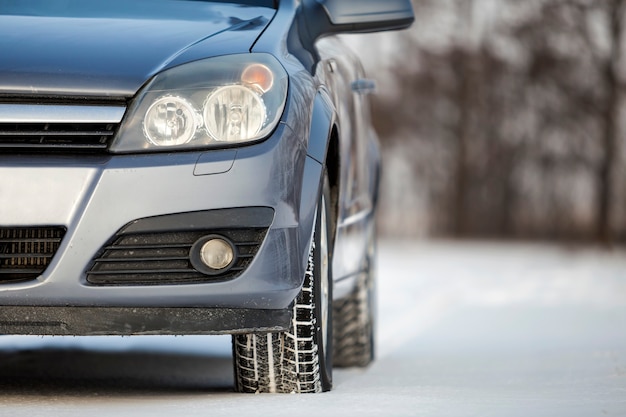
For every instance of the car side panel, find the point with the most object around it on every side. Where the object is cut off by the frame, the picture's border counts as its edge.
(360, 159)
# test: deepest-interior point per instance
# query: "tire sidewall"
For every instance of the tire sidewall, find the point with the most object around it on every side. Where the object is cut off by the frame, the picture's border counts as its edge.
(321, 339)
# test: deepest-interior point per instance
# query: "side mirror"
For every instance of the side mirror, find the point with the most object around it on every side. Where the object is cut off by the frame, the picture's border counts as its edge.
(327, 17)
(368, 15)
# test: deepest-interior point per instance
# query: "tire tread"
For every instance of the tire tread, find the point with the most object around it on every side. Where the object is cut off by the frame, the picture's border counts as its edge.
(285, 362)
(353, 331)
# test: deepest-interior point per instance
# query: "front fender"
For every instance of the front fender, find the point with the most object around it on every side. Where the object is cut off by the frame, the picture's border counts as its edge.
(322, 121)
(323, 118)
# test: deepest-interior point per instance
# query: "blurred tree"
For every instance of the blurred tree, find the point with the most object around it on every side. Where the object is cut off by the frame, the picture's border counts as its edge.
(574, 48)
(509, 114)
(615, 10)
(466, 66)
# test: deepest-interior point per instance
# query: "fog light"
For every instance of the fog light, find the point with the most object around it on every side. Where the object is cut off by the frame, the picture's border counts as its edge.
(213, 255)
(217, 254)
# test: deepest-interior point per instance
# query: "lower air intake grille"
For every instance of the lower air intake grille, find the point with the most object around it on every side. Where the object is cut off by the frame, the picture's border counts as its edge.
(164, 257)
(157, 250)
(25, 252)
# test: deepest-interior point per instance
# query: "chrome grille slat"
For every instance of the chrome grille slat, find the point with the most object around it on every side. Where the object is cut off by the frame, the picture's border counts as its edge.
(59, 113)
(52, 133)
(43, 146)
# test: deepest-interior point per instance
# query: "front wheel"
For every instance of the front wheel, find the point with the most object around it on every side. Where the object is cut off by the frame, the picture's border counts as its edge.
(300, 359)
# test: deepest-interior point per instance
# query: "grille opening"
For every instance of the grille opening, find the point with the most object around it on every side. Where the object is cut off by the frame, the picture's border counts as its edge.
(56, 136)
(26, 252)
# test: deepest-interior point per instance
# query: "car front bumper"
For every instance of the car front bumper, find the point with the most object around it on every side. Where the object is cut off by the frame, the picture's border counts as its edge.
(94, 197)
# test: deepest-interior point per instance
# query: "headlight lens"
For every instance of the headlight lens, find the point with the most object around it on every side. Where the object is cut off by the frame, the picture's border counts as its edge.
(234, 114)
(170, 121)
(213, 102)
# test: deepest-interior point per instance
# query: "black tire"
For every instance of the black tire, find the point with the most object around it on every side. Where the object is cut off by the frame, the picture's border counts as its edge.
(353, 317)
(300, 359)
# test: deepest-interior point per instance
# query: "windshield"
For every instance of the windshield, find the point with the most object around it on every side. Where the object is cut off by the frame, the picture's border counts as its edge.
(107, 7)
(260, 3)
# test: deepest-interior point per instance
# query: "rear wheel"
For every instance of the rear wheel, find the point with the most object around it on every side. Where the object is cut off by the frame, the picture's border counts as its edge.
(353, 331)
(300, 359)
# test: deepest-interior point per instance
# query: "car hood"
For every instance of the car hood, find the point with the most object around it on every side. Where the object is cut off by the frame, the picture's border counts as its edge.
(111, 48)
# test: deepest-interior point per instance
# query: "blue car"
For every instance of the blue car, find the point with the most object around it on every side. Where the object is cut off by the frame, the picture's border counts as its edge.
(193, 167)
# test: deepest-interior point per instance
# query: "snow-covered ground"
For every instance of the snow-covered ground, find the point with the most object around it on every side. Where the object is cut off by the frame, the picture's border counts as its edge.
(465, 329)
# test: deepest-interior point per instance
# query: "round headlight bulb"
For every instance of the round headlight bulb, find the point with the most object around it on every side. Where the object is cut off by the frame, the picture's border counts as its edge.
(217, 254)
(170, 121)
(234, 113)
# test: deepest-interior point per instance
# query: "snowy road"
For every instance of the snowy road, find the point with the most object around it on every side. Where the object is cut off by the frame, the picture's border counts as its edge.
(465, 329)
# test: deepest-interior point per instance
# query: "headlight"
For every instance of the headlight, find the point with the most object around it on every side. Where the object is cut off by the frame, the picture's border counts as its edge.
(213, 102)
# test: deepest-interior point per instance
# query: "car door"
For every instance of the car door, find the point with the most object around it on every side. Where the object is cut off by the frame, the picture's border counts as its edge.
(342, 74)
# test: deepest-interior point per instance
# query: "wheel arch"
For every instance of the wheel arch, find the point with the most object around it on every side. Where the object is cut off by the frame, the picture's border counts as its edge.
(324, 147)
